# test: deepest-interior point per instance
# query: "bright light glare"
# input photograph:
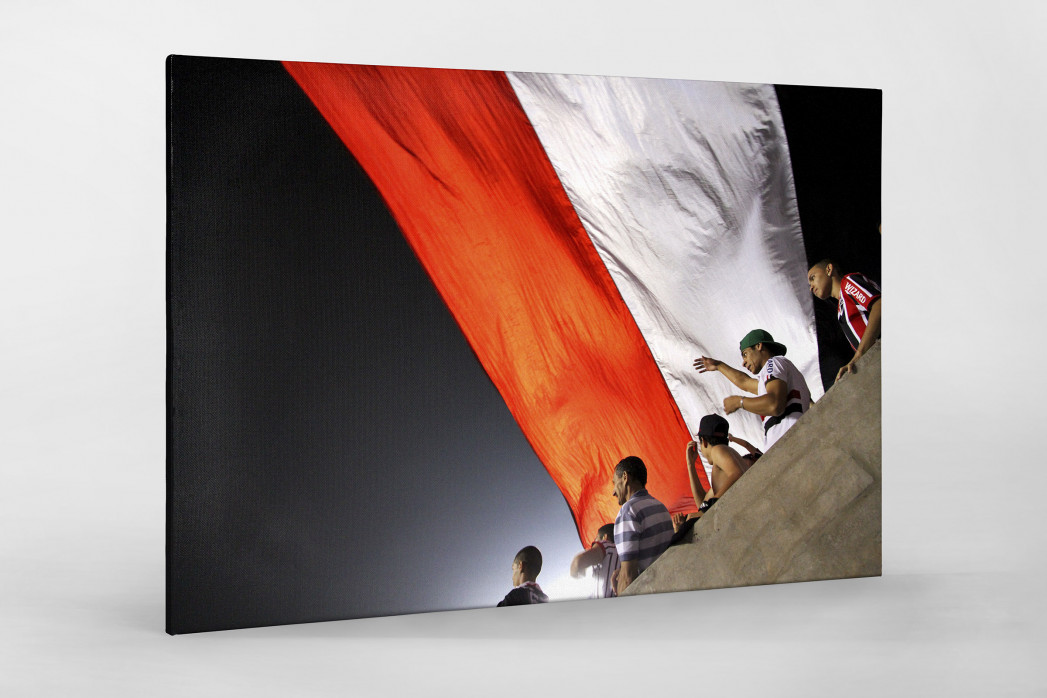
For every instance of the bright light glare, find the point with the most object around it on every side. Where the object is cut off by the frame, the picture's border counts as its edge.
(567, 588)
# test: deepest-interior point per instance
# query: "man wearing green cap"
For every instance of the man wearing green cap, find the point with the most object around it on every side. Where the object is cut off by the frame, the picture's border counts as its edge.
(781, 391)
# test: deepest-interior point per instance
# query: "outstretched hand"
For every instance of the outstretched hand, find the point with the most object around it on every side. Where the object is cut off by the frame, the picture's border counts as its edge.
(706, 363)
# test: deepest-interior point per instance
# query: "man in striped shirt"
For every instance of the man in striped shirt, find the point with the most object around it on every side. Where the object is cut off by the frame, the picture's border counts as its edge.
(782, 395)
(643, 528)
(602, 557)
(858, 306)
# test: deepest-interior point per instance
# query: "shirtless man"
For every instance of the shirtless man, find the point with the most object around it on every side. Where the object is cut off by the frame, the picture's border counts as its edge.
(725, 466)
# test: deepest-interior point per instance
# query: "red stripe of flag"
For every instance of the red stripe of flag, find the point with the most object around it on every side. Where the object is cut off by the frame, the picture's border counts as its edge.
(470, 186)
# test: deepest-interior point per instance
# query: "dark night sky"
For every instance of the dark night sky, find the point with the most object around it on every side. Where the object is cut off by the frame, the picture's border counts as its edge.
(340, 451)
(835, 143)
(335, 448)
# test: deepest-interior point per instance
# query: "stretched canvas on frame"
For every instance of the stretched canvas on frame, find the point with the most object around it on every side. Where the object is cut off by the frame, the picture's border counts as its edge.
(416, 315)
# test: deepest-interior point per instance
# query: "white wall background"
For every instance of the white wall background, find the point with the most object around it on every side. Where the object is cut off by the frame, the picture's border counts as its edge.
(960, 609)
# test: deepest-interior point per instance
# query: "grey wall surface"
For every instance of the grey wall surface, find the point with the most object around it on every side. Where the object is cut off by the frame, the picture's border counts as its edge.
(809, 509)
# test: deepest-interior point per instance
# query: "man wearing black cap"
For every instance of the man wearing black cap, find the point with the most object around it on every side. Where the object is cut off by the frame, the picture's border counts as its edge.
(724, 465)
(781, 391)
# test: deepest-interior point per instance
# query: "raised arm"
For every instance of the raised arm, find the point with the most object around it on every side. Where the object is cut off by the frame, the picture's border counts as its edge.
(739, 378)
(586, 559)
(872, 333)
(744, 444)
(697, 491)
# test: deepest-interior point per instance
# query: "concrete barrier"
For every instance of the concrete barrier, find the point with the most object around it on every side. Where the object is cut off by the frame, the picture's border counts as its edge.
(809, 509)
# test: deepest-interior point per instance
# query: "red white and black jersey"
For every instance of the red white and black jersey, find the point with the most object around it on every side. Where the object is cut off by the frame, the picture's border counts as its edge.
(798, 397)
(857, 295)
(603, 571)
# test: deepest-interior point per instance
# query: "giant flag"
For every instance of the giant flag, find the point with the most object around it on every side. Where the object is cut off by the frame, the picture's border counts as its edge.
(591, 236)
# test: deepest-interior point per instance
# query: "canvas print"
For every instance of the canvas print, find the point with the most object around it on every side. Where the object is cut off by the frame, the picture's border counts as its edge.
(445, 339)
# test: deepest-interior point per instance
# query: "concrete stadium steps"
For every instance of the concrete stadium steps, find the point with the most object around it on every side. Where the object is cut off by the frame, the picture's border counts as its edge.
(808, 510)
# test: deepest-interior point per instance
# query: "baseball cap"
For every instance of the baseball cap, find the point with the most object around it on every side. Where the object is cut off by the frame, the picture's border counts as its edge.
(713, 425)
(761, 337)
